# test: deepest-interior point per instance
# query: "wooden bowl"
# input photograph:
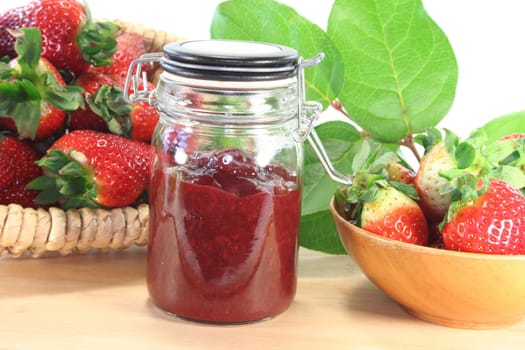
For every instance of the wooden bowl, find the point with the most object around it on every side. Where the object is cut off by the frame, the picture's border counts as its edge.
(455, 289)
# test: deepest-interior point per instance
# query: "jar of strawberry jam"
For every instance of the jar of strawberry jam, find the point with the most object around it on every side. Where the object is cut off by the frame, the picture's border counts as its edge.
(225, 193)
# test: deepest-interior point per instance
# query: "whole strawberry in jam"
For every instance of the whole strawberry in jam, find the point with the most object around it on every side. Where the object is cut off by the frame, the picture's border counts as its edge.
(17, 169)
(71, 40)
(492, 223)
(235, 162)
(94, 169)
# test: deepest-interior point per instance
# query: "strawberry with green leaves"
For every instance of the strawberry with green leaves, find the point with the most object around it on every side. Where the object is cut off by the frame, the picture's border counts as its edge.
(85, 168)
(130, 46)
(106, 110)
(453, 158)
(72, 41)
(393, 214)
(33, 96)
(379, 205)
(103, 104)
(490, 220)
(17, 169)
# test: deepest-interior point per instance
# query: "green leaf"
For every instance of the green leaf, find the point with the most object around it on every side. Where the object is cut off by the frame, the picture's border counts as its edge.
(505, 125)
(407, 189)
(465, 155)
(270, 21)
(400, 70)
(318, 232)
(28, 47)
(26, 116)
(109, 104)
(338, 139)
(5, 71)
(317, 228)
(510, 174)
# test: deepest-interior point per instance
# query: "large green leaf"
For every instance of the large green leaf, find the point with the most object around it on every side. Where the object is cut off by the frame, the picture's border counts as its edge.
(505, 125)
(270, 21)
(317, 227)
(400, 70)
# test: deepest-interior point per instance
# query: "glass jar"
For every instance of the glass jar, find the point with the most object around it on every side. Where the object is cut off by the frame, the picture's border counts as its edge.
(225, 193)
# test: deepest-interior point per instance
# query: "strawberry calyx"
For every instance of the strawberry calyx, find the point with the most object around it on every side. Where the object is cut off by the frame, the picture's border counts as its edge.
(478, 161)
(108, 103)
(370, 175)
(68, 181)
(28, 82)
(96, 40)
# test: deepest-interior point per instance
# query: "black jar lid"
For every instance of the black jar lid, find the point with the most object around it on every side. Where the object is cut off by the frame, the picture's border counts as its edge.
(232, 60)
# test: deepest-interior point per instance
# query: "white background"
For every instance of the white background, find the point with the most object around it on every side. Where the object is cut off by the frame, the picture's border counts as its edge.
(488, 37)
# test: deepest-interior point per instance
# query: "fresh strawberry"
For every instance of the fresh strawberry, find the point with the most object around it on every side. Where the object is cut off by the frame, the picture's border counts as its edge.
(144, 119)
(136, 121)
(93, 169)
(394, 215)
(17, 169)
(429, 184)
(492, 223)
(38, 96)
(72, 41)
(400, 173)
(381, 206)
(7, 168)
(130, 46)
(85, 118)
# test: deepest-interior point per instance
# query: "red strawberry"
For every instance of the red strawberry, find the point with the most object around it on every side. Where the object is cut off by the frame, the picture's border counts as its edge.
(37, 93)
(71, 41)
(18, 168)
(384, 207)
(107, 111)
(144, 118)
(89, 168)
(130, 46)
(493, 223)
(7, 169)
(429, 183)
(394, 215)
(85, 118)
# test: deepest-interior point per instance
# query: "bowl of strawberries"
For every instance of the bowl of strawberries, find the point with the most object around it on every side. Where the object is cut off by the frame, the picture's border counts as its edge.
(446, 242)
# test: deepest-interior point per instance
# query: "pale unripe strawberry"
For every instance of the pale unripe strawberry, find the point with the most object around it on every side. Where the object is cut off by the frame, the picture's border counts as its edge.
(429, 183)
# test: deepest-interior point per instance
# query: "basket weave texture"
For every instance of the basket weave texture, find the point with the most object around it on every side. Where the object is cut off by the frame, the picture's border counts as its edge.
(36, 232)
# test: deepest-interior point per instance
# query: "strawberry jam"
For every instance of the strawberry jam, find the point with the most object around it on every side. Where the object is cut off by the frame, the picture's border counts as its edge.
(223, 237)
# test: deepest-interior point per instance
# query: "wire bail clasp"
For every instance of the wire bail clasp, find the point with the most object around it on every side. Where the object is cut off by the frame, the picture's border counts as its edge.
(139, 80)
(307, 111)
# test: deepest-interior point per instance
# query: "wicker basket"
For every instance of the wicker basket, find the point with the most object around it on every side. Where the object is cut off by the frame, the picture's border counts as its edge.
(40, 231)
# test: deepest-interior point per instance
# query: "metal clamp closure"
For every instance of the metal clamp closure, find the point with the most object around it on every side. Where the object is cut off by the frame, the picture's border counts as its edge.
(139, 80)
(307, 111)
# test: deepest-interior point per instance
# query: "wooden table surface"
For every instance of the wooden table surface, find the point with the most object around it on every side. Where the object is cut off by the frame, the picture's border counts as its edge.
(100, 301)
